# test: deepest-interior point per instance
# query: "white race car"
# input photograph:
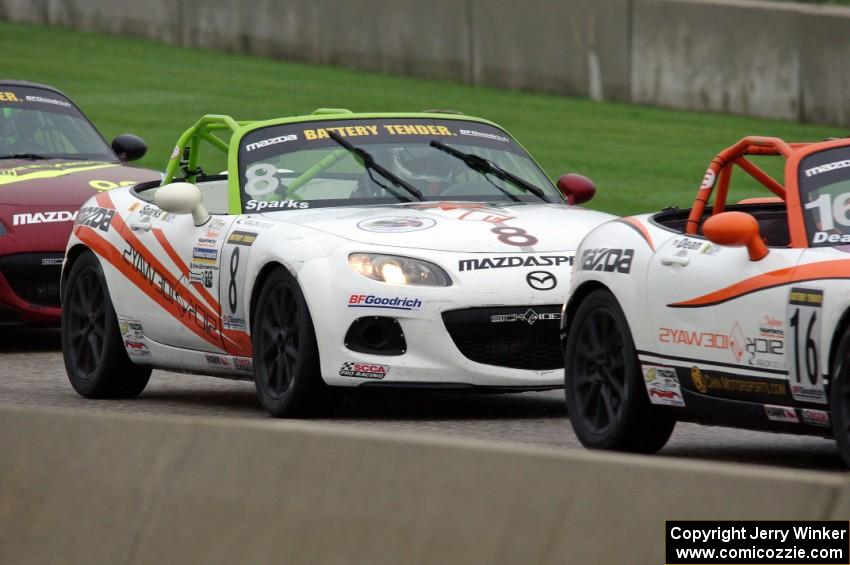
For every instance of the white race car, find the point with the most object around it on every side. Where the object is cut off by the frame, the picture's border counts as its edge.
(340, 249)
(724, 314)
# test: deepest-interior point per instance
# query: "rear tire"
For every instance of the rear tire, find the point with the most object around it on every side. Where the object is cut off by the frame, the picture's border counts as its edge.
(95, 359)
(606, 397)
(839, 397)
(287, 375)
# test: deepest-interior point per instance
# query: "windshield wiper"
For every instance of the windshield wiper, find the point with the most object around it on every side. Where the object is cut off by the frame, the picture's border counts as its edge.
(371, 165)
(33, 156)
(482, 165)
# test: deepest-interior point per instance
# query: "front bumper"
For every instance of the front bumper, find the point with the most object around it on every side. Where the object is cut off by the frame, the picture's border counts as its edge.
(502, 336)
(29, 289)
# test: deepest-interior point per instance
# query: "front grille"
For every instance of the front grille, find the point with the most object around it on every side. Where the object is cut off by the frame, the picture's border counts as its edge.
(519, 337)
(34, 276)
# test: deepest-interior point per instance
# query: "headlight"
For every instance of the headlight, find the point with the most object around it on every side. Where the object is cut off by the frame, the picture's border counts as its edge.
(393, 269)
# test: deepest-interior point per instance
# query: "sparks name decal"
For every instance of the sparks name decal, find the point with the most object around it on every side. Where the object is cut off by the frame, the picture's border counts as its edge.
(363, 370)
(43, 217)
(514, 261)
(608, 260)
(392, 303)
(276, 205)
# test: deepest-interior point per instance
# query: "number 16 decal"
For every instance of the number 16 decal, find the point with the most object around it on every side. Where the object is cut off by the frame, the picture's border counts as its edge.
(802, 342)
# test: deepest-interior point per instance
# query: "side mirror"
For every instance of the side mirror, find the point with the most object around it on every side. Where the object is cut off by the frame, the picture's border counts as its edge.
(182, 198)
(577, 189)
(129, 147)
(736, 229)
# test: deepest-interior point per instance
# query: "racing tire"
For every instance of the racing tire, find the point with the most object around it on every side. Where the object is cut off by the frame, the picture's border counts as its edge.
(839, 397)
(95, 359)
(287, 375)
(603, 384)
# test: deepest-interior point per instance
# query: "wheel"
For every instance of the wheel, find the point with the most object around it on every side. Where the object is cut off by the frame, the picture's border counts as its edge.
(606, 398)
(95, 359)
(839, 397)
(286, 358)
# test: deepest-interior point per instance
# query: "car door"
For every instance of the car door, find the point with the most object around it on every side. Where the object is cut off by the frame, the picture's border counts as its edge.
(182, 261)
(721, 318)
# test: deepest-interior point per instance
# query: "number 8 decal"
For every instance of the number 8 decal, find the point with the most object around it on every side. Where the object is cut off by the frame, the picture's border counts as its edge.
(802, 343)
(231, 288)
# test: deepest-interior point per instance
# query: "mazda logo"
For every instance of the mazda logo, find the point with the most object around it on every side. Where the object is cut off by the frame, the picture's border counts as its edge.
(541, 280)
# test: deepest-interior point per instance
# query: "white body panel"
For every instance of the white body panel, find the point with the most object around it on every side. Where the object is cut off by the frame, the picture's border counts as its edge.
(732, 328)
(184, 300)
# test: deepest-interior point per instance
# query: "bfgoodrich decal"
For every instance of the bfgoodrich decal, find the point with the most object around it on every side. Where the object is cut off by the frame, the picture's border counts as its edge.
(389, 302)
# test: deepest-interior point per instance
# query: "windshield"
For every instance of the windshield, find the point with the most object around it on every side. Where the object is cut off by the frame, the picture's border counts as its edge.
(825, 196)
(297, 166)
(36, 123)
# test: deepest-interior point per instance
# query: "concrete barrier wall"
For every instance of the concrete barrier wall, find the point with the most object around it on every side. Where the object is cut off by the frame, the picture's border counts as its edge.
(80, 487)
(749, 57)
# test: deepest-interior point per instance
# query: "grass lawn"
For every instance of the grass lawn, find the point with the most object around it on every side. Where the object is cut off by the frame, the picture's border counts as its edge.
(641, 158)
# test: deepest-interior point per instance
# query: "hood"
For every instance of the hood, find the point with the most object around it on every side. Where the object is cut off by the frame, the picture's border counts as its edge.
(63, 183)
(39, 200)
(455, 226)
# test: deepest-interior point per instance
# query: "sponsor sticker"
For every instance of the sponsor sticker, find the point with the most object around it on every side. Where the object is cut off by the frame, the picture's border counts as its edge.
(703, 382)
(388, 302)
(204, 256)
(396, 224)
(230, 322)
(662, 386)
(242, 238)
(514, 261)
(608, 260)
(133, 335)
(529, 317)
(271, 141)
(363, 370)
(51, 261)
(254, 223)
(244, 364)
(95, 217)
(493, 136)
(218, 361)
(734, 341)
(781, 414)
(708, 179)
(815, 417)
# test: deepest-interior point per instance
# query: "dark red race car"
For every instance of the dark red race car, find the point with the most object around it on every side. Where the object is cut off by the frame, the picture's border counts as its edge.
(52, 159)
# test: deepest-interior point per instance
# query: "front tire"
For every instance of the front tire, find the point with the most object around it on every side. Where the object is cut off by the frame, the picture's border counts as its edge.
(95, 359)
(606, 398)
(839, 397)
(286, 357)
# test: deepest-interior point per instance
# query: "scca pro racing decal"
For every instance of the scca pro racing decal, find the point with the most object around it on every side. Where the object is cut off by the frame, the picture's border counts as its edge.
(363, 370)
(389, 302)
(608, 260)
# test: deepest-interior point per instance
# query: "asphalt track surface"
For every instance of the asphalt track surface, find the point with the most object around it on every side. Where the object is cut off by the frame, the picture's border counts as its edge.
(32, 374)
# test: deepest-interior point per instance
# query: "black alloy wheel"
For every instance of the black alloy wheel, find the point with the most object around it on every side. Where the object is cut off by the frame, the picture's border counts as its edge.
(286, 357)
(603, 383)
(92, 347)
